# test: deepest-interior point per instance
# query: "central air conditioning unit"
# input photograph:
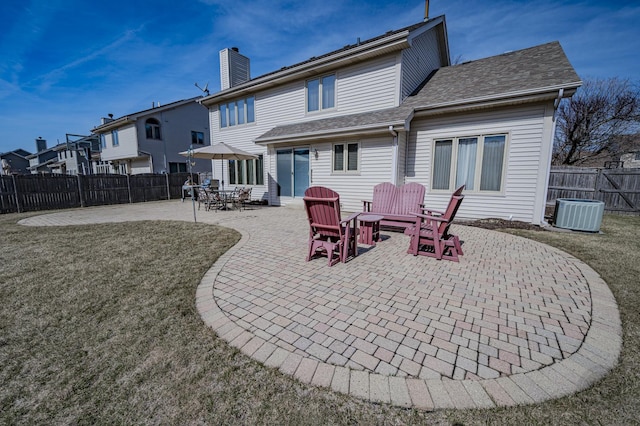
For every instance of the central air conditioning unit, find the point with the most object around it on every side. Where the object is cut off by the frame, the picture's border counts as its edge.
(578, 215)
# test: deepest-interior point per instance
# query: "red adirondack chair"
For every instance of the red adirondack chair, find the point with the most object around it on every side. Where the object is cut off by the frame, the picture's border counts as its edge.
(430, 234)
(329, 234)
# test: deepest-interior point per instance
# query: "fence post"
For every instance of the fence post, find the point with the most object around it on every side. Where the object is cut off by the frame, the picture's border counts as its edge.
(129, 188)
(15, 191)
(82, 203)
(598, 186)
(166, 176)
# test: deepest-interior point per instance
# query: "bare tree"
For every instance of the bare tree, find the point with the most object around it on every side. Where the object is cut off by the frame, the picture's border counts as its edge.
(590, 123)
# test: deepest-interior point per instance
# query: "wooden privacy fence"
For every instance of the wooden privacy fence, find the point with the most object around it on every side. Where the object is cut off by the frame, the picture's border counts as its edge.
(619, 189)
(23, 193)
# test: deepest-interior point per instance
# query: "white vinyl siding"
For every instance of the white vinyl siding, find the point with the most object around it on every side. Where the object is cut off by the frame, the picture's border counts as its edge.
(367, 87)
(524, 125)
(419, 61)
(375, 167)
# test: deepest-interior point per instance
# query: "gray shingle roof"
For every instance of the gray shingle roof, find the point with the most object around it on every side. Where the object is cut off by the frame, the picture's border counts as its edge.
(534, 70)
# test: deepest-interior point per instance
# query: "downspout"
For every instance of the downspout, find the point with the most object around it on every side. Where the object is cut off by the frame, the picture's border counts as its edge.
(545, 192)
(394, 156)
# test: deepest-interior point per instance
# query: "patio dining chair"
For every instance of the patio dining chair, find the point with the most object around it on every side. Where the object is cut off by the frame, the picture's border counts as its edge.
(204, 197)
(242, 196)
(329, 234)
(430, 233)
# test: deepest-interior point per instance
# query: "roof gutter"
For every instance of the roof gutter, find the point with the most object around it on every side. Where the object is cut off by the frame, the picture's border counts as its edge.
(525, 96)
(373, 129)
(114, 124)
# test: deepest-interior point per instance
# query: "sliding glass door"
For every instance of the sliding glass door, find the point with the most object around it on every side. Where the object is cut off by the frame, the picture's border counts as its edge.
(292, 167)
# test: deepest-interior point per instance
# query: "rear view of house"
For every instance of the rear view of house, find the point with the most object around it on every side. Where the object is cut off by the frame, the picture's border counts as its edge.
(393, 109)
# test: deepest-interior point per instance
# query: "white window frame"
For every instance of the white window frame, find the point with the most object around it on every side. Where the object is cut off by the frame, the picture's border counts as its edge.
(240, 173)
(114, 138)
(227, 120)
(345, 160)
(478, 163)
(320, 93)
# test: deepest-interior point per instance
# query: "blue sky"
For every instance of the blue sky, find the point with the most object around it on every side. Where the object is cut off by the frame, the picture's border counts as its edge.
(66, 63)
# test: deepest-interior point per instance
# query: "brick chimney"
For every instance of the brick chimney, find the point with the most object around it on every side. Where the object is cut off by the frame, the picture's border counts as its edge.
(234, 68)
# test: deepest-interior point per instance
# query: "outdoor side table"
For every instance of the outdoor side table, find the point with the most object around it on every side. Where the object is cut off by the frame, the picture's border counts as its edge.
(369, 228)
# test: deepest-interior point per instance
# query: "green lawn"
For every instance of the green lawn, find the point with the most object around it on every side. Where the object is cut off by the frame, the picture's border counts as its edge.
(98, 325)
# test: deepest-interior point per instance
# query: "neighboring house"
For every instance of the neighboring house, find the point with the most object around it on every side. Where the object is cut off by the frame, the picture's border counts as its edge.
(628, 147)
(76, 156)
(14, 162)
(630, 160)
(149, 141)
(393, 109)
(622, 151)
(44, 157)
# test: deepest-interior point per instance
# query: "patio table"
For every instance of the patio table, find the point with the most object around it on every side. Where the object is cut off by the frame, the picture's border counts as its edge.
(369, 228)
(227, 197)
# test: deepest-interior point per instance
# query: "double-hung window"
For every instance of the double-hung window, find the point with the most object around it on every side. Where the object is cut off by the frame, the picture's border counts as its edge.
(197, 138)
(152, 129)
(238, 112)
(103, 141)
(346, 157)
(114, 138)
(474, 161)
(321, 93)
(247, 172)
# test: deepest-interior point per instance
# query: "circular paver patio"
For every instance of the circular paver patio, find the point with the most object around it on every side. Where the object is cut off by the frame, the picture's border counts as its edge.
(514, 322)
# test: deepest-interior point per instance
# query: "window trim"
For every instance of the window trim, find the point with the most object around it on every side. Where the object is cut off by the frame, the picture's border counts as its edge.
(319, 79)
(345, 161)
(115, 141)
(225, 120)
(196, 133)
(153, 124)
(238, 171)
(478, 165)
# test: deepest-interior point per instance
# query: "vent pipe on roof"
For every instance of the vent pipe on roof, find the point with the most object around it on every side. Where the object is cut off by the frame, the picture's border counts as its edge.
(426, 10)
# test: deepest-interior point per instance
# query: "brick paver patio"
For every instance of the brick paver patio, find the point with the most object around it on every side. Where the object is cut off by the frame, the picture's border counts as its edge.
(515, 322)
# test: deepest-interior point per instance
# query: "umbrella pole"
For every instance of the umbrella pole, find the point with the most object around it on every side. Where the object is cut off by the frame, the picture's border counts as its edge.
(193, 189)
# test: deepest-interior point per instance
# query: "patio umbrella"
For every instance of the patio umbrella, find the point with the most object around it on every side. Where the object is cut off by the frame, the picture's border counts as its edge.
(219, 151)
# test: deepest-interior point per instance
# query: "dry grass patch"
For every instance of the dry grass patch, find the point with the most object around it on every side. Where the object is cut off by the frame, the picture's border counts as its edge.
(98, 325)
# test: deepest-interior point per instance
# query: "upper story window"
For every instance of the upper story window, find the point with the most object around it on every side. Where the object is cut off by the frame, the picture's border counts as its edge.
(637, 157)
(152, 128)
(103, 141)
(346, 157)
(476, 162)
(321, 93)
(241, 111)
(114, 138)
(197, 138)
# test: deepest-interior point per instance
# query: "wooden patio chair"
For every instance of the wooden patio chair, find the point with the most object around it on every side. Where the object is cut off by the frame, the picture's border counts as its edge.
(430, 233)
(329, 234)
